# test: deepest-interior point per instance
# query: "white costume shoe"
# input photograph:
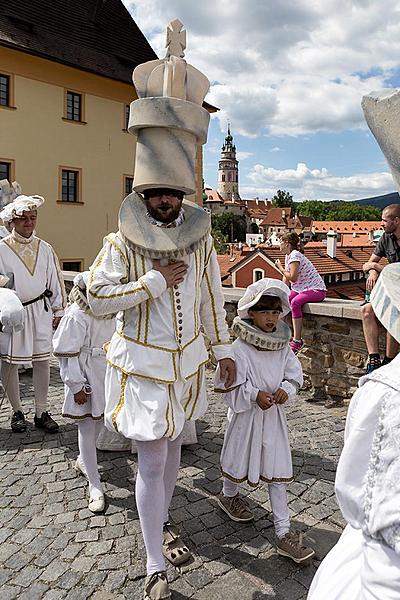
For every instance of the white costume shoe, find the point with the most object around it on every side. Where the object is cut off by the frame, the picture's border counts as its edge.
(97, 504)
(80, 467)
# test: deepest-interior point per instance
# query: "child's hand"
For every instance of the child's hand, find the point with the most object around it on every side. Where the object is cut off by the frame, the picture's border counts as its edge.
(264, 400)
(280, 397)
(81, 397)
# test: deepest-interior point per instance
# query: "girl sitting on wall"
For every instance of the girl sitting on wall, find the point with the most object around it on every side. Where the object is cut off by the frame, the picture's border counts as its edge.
(304, 280)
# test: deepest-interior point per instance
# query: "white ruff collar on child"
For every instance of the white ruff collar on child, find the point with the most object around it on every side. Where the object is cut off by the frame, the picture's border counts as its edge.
(274, 340)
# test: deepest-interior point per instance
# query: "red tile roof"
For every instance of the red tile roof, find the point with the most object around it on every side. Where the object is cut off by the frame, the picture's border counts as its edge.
(345, 226)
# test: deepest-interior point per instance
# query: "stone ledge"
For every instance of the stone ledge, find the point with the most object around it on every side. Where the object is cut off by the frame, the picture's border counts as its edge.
(349, 309)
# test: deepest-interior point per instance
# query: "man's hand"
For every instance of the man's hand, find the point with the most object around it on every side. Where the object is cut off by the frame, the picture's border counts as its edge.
(371, 281)
(227, 371)
(81, 397)
(56, 322)
(264, 400)
(173, 273)
(280, 396)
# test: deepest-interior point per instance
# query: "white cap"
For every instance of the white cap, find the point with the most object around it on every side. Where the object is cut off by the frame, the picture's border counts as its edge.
(266, 286)
(385, 299)
(20, 205)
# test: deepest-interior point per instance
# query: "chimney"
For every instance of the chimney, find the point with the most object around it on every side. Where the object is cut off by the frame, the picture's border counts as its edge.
(331, 242)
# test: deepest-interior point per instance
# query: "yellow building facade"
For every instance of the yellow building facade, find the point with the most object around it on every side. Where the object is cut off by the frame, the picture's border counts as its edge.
(63, 136)
(39, 142)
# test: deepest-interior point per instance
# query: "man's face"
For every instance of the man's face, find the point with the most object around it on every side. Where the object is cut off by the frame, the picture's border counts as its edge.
(390, 223)
(164, 206)
(26, 224)
(265, 320)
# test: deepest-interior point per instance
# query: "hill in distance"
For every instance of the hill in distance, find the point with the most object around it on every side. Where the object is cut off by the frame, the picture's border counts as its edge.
(380, 201)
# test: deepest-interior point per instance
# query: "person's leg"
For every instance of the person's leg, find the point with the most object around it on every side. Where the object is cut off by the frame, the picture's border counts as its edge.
(88, 430)
(392, 348)
(296, 305)
(279, 507)
(10, 381)
(171, 471)
(371, 335)
(232, 504)
(229, 488)
(150, 499)
(41, 381)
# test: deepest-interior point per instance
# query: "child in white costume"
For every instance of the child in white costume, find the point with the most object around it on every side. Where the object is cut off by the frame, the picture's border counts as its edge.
(256, 445)
(78, 344)
(365, 563)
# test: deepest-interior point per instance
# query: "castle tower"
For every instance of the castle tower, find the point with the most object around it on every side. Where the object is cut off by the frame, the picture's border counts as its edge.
(228, 171)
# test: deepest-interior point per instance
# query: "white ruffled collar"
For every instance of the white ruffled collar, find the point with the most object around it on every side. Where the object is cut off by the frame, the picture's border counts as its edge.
(274, 340)
(21, 239)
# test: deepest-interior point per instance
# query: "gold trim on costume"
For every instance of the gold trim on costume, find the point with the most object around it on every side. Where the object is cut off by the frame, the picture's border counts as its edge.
(115, 245)
(174, 313)
(262, 478)
(19, 255)
(146, 322)
(197, 393)
(138, 374)
(117, 409)
(196, 298)
(226, 390)
(171, 402)
(82, 416)
(65, 354)
(214, 314)
(167, 419)
(176, 350)
(118, 294)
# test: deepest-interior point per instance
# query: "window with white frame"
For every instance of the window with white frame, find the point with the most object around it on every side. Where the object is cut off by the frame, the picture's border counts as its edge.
(258, 274)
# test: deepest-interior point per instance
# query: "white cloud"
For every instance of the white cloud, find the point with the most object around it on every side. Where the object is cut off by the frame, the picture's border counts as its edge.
(286, 68)
(309, 184)
(276, 149)
(243, 155)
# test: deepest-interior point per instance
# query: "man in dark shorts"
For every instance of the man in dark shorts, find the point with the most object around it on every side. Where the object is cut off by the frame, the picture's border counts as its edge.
(388, 247)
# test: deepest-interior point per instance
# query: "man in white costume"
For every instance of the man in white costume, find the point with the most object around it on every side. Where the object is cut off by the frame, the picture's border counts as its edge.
(365, 563)
(32, 267)
(160, 273)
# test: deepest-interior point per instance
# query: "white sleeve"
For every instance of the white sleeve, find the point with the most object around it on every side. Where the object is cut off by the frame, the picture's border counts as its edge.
(242, 395)
(55, 284)
(212, 312)
(71, 373)
(109, 287)
(293, 376)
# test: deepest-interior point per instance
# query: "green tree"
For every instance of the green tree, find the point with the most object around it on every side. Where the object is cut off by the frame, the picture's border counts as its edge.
(282, 199)
(231, 226)
(254, 228)
(338, 211)
(316, 209)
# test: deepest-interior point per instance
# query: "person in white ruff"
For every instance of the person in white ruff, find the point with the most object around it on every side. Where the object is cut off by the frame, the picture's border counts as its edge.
(256, 446)
(34, 273)
(365, 563)
(78, 345)
(160, 273)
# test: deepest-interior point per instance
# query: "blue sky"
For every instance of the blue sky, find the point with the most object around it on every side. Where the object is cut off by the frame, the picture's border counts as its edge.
(289, 75)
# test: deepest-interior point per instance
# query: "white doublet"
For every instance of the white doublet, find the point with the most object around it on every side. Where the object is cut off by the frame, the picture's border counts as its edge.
(78, 344)
(156, 357)
(256, 444)
(365, 563)
(33, 267)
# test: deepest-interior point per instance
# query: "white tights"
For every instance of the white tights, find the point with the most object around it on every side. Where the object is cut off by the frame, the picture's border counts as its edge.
(41, 378)
(158, 465)
(277, 498)
(88, 431)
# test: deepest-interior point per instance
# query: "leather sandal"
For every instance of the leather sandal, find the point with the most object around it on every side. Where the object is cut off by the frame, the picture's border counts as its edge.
(174, 550)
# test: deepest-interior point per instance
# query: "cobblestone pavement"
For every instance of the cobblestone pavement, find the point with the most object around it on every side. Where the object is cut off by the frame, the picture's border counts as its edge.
(52, 547)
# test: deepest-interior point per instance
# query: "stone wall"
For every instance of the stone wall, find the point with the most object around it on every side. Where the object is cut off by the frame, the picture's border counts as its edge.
(335, 354)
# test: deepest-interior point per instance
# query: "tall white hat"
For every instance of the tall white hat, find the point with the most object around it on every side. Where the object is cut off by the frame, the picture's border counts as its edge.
(385, 299)
(266, 286)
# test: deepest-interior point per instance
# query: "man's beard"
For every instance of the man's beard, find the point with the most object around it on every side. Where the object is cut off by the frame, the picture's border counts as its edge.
(163, 214)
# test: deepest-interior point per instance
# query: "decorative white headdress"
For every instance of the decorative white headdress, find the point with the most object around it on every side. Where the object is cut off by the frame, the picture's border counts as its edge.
(169, 123)
(20, 205)
(268, 286)
(385, 299)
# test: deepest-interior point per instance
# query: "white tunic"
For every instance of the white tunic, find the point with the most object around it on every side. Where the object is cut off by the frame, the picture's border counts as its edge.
(156, 358)
(256, 444)
(365, 563)
(33, 267)
(78, 344)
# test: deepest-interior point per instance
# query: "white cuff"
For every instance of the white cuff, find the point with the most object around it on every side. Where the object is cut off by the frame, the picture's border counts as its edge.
(76, 387)
(154, 282)
(223, 351)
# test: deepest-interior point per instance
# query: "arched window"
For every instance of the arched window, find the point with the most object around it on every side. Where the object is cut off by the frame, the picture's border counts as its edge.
(258, 274)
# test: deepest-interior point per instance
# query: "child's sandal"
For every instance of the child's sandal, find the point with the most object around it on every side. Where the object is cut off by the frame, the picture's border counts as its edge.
(174, 550)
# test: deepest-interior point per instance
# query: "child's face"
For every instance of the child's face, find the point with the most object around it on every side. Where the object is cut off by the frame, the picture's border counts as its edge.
(265, 320)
